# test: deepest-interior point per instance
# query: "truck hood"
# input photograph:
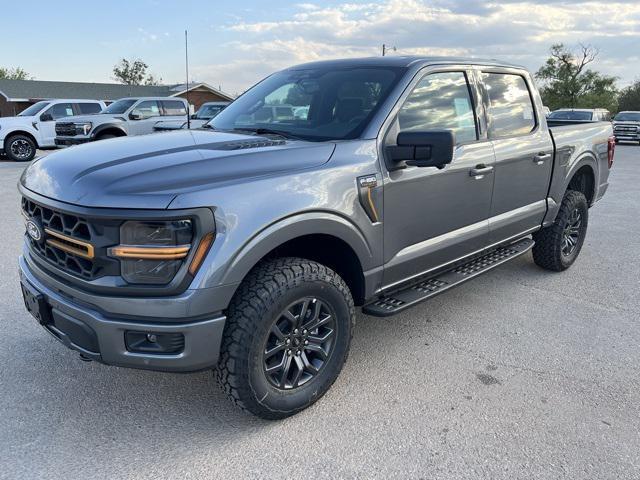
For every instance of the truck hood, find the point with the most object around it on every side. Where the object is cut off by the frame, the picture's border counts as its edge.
(149, 171)
(6, 122)
(96, 118)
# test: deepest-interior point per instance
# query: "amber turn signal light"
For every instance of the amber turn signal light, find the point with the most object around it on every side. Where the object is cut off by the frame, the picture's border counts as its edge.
(201, 253)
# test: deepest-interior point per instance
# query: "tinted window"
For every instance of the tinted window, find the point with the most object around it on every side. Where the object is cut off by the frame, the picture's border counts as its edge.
(33, 109)
(119, 107)
(337, 102)
(61, 110)
(571, 115)
(147, 109)
(440, 101)
(510, 107)
(174, 107)
(89, 108)
(627, 117)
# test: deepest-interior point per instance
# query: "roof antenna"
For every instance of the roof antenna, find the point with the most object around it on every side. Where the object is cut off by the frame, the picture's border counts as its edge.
(186, 63)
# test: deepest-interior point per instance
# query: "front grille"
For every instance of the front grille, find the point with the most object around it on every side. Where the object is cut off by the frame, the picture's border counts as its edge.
(71, 241)
(65, 129)
(625, 128)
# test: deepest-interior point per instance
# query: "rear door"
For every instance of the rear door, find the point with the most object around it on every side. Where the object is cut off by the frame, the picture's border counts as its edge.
(434, 216)
(173, 110)
(523, 152)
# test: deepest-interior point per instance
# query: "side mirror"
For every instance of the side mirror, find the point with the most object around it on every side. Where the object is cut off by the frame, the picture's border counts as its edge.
(432, 148)
(194, 116)
(46, 117)
(136, 115)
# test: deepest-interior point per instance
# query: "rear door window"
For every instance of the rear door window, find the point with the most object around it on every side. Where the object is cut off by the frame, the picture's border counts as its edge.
(89, 108)
(148, 109)
(173, 107)
(511, 110)
(440, 101)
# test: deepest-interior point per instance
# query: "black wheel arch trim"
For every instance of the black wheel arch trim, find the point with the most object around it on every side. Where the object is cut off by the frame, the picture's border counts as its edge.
(107, 126)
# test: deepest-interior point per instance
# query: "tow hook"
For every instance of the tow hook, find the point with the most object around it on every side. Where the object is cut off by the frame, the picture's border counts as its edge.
(85, 358)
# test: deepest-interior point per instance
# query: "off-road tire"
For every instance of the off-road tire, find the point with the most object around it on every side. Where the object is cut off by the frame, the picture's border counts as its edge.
(19, 138)
(547, 251)
(259, 301)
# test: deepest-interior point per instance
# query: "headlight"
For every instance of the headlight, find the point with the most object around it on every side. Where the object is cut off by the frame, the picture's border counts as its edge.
(83, 128)
(152, 252)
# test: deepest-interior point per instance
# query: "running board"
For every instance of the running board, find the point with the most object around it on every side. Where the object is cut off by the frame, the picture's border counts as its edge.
(400, 300)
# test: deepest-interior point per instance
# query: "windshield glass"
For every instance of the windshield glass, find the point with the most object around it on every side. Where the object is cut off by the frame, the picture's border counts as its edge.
(570, 115)
(627, 117)
(119, 107)
(33, 109)
(207, 112)
(315, 104)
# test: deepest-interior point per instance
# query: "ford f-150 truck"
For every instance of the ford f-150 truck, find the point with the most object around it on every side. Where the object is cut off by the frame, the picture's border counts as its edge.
(125, 117)
(246, 247)
(205, 113)
(626, 126)
(34, 127)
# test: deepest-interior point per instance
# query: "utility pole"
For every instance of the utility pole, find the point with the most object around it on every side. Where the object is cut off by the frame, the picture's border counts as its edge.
(385, 49)
(186, 66)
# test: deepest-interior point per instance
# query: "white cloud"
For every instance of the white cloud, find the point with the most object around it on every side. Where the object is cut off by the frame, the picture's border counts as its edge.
(515, 31)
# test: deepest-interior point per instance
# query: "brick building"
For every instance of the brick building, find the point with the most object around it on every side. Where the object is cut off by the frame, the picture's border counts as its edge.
(16, 95)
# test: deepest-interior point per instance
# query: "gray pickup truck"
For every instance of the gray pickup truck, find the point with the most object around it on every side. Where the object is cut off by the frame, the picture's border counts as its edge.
(245, 247)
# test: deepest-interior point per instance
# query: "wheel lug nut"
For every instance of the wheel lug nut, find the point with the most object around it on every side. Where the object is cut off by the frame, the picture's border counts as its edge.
(287, 341)
(289, 352)
(298, 353)
(295, 331)
(304, 332)
(306, 342)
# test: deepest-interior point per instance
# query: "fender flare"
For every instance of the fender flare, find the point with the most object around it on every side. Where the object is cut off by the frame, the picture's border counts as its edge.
(22, 130)
(107, 126)
(290, 228)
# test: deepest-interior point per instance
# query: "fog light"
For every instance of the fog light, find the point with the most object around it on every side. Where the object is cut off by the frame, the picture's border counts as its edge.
(153, 342)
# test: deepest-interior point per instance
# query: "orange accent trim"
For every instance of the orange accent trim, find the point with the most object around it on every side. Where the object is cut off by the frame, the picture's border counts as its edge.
(373, 207)
(201, 252)
(78, 247)
(150, 253)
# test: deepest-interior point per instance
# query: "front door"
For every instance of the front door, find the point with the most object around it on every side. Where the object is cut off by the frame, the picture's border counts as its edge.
(47, 122)
(143, 117)
(524, 156)
(434, 216)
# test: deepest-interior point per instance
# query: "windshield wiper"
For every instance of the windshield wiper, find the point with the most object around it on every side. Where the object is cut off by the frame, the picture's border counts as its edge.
(268, 131)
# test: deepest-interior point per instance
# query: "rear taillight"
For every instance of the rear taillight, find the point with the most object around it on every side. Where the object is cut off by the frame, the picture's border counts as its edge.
(611, 149)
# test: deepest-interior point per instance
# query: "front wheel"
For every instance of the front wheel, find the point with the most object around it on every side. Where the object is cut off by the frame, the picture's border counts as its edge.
(557, 246)
(287, 337)
(20, 148)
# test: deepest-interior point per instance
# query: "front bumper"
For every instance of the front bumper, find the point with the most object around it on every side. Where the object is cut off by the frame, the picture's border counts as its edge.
(69, 141)
(100, 337)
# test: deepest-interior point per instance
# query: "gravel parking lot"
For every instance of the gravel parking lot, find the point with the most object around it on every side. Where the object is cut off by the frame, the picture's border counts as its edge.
(518, 374)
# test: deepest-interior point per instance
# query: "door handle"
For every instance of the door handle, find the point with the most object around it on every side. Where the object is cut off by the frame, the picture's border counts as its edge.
(480, 171)
(541, 158)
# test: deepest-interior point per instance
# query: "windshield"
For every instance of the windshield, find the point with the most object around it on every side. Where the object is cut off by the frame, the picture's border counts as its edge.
(207, 112)
(570, 115)
(33, 109)
(119, 107)
(315, 104)
(627, 117)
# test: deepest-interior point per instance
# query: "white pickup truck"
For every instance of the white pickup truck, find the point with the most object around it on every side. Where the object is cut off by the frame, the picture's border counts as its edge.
(34, 128)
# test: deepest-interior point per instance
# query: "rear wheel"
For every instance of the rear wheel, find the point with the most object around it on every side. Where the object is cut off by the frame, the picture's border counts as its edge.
(20, 148)
(558, 245)
(287, 337)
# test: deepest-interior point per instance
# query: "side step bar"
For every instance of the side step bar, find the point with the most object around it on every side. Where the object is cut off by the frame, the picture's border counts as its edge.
(400, 300)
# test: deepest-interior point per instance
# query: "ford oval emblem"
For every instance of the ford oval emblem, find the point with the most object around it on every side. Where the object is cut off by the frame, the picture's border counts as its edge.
(34, 230)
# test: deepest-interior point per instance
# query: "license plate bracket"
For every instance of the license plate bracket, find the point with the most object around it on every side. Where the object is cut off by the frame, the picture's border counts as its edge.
(37, 305)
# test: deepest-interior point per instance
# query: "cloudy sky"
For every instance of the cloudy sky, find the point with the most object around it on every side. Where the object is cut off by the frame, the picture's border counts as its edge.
(235, 43)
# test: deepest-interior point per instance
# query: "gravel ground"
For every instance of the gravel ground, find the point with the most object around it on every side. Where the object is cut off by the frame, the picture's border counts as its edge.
(520, 373)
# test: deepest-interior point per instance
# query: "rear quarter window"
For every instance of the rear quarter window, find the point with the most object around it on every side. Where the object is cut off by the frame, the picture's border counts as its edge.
(89, 108)
(511, 111)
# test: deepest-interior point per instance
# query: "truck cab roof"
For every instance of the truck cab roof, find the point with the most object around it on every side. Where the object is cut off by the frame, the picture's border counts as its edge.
(402, 61)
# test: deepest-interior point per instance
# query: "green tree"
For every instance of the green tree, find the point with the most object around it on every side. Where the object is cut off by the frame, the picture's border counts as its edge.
(567, 82)
(134, 72)
(14, 74)
(629, 98)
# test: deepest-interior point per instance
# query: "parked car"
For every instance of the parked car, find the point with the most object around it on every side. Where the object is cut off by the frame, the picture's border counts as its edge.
(125, 117)
(34, 127)
(626, 126)
(245, 248)
(580, 115)
(205, 113)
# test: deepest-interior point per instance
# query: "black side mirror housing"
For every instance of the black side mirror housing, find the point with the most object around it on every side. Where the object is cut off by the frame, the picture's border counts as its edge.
(194, 116)
(46, 117)
(432, 148)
